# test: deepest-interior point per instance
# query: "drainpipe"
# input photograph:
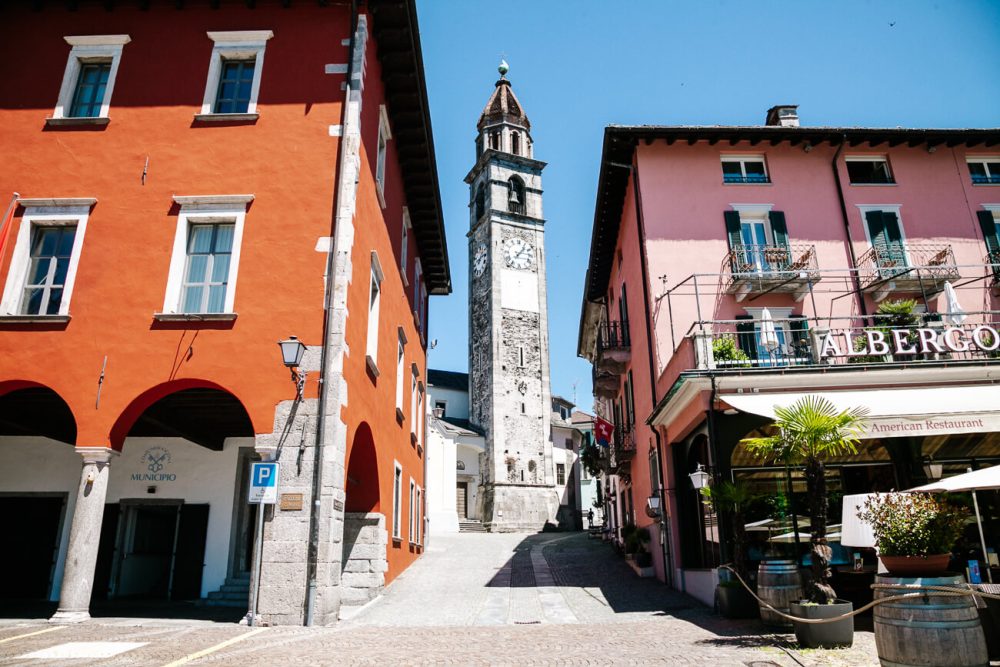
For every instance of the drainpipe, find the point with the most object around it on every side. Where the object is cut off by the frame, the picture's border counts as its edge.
(317, 481)
(644, 263)
(713, 447)
(856, 279)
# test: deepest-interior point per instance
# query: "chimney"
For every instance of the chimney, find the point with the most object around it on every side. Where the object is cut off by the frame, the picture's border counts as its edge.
(783, 115)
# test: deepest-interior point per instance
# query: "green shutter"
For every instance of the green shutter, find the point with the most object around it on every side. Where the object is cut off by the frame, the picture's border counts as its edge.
(746, 336)
(779, 229)
(893, 234)
(798, 325)
(989, 227)
(876, 227)
(733, 231)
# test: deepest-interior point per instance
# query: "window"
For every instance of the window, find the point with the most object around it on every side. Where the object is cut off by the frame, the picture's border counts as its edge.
(89, 77)
(515, 195)
(560, 473)
(374, 298)
(420, 414)
(46, 255)
(989, 222)
(515, 143)
(480, 202)
(400, 373)
(869, 171)
(420, 515)
(384, 135)
(420, 298)
(984, 171)
(234, 74)
(740, 169)
(520, 356)
(397, 492)
(758, 239)
(629, 401)
(206, 254)
(885, 233)
(404, 245)
(412, 534)
(414, 382)
(442, 406)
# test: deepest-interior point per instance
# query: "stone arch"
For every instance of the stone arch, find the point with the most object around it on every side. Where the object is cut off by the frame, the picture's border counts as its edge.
(362, 488)
(30, 408)
(515, 195)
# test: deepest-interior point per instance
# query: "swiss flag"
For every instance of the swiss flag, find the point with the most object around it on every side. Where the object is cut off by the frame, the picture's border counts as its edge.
(603, 430)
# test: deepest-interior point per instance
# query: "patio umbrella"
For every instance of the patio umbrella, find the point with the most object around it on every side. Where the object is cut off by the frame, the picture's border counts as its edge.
(955, 313)
(985, 479)
(768, 334)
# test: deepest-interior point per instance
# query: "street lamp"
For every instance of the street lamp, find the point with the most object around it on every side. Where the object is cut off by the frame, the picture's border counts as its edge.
(653, 507)
(292, 350)
(932, 470)
(699, 478)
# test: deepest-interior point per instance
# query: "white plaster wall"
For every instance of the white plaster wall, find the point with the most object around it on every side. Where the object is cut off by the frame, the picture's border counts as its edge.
(458, 401)
(441, 512)
(562, 455)
(202, 476)
(469, 451)
(34, 464)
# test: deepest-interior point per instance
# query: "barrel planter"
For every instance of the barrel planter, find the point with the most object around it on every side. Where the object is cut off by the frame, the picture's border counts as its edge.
(927, 631)
(779, 583)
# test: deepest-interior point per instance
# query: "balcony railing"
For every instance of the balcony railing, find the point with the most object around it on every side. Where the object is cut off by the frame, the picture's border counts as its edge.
(760, 269)
(993, 261)
(624, 446)
(909, 267)
(983, 179)
(749, 178)
(613, 347)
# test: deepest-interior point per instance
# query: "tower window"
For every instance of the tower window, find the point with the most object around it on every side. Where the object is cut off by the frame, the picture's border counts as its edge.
(515, 143)
(522, 408)
(495, 140)
(520, 353)
(515, 195)
(480, 201)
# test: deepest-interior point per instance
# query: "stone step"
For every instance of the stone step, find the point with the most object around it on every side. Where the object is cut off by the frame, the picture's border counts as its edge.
(234, 604)
(471, 527)
(228, 595)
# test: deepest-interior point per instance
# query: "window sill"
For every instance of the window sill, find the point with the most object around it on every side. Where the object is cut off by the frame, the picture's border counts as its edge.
(399, 416)
(248, 118)
(77, 120)
(979, 185)
(194, 317)
(397, 541)
(741, 183)
(372, 367)
(34, 319)
(868, 185)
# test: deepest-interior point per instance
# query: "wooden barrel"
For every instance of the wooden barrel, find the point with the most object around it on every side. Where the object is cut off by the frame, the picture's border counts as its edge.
(928, 631)
(779, 583)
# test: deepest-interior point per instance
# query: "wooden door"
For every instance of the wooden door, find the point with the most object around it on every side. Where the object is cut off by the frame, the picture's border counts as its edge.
(461, 500)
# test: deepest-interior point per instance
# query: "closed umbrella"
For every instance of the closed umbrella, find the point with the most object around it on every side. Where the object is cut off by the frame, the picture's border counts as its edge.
(986, 479)
(955, 314)
(768, 334)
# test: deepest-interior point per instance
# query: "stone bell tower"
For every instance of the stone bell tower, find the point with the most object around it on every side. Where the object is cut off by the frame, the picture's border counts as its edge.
(509, 393)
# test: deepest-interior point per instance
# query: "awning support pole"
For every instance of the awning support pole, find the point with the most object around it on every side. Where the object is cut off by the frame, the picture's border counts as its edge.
(982, 539)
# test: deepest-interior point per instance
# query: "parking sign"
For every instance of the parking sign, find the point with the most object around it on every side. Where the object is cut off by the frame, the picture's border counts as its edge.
(264, 483)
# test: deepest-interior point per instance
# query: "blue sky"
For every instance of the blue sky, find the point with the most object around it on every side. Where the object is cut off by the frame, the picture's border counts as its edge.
(579, 66)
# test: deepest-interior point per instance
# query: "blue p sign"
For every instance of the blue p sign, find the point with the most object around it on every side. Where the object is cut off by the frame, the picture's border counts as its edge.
(264, 483)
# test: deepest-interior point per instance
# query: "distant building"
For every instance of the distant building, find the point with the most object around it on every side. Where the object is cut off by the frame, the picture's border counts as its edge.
(591, 492)
(735, 269)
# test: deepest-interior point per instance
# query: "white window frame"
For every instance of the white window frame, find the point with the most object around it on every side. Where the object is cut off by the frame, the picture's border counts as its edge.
(420, 515)
(397, 500)
(374, 307)
(986, 161)
(742, 160)
(405, 246)
(381, 153)
(412, 534)
(44, 213)
(400, 371)
(780, 317)
(87, 49)
(563, 466)
(414, 383)
(234, 45)
(871, 158)
(204, 209)
(421, 410)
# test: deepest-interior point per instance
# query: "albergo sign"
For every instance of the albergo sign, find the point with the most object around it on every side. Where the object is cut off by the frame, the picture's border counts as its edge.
(879, 342)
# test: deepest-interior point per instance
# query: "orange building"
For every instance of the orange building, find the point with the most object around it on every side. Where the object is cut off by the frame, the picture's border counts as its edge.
(189, 183)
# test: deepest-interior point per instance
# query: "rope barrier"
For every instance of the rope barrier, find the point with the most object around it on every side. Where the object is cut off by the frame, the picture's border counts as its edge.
(933, 591)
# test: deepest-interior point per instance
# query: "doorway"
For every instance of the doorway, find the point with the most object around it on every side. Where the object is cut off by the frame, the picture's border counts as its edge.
(462, 500)
(244, 518)
(31, 533)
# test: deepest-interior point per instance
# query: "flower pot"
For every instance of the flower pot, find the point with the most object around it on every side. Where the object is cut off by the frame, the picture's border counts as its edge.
(824, 635)
(736, 602)
(913, 566)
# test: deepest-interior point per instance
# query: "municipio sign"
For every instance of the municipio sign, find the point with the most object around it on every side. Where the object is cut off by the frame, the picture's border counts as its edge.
(263, 484)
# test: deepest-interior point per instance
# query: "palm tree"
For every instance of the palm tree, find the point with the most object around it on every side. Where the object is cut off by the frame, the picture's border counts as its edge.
(809, 431)
(732, 498)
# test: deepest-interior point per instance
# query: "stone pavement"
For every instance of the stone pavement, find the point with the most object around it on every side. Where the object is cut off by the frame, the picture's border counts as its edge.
(472, 599)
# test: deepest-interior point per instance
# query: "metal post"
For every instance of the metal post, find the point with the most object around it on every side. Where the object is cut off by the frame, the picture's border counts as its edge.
(258, 550)
(697, 300)
(670, 312)
(982, 539)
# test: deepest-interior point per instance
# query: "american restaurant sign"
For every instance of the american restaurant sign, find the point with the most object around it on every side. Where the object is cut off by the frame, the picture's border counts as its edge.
(908, 341)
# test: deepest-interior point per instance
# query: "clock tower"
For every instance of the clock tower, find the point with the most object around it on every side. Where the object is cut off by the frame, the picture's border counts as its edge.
(509, 393)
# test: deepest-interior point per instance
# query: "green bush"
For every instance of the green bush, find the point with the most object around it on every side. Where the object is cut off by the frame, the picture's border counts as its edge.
(914, 524)
(727, 353)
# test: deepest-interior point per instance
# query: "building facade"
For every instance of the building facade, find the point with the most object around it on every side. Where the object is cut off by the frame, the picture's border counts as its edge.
(177, 206)
(733, 269)
(508, 327)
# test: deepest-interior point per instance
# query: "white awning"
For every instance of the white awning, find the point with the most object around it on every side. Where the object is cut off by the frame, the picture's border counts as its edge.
(896, 413)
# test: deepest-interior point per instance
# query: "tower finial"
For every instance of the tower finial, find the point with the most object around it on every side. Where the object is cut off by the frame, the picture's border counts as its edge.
(503, 68)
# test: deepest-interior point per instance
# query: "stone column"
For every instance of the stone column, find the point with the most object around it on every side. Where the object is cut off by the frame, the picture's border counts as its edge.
(84, 536)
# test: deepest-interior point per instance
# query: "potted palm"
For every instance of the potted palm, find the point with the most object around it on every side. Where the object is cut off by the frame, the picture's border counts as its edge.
(731, 498)
(808, 432)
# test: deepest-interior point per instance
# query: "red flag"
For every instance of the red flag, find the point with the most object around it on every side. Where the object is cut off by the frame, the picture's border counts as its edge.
(603, 430)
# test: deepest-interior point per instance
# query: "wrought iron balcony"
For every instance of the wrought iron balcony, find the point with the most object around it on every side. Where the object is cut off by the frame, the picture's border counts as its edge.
(614, 349)
(906, 267)
(749, 178)
(993, 260)
(754, 270)
(624, 445)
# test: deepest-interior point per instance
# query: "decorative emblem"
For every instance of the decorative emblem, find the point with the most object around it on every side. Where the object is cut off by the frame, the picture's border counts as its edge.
(156, 458)
(522, 387)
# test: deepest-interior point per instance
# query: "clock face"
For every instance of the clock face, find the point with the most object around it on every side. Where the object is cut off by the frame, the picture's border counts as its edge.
(518, 254)
(479, 260)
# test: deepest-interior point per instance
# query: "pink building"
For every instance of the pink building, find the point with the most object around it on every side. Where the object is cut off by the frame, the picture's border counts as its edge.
(733, 269)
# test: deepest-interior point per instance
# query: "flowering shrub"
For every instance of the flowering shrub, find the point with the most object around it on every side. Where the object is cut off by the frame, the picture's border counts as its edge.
(914, 524)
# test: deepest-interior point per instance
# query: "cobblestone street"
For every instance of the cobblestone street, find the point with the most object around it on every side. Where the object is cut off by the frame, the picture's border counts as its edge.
(476, 599)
